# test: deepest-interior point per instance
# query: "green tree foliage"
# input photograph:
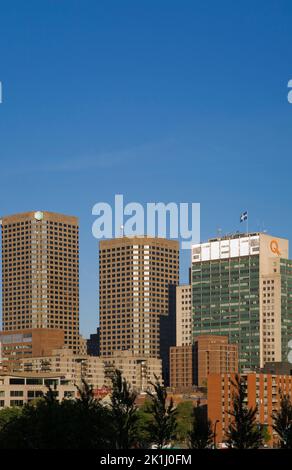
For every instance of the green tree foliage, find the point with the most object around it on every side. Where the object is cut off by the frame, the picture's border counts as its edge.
(143, 438)
(283, 422)
(48, 424)
(162, 429)
(243, 431)
(201, 435)
(265, 433)
(8, 414)
(184, 420)
(124, 413)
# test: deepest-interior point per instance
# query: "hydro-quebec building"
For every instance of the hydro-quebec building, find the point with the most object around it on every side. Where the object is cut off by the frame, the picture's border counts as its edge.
(242, 288)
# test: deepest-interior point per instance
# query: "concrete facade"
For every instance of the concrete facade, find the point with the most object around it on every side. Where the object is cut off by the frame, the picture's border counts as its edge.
(71, 366)
(242, 287)
(139, 371)
(18, 389)
(40, 273)
(183, 315)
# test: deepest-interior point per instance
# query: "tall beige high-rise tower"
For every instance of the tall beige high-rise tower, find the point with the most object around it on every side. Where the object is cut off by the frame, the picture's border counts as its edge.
(40, 273)
(137, 276)
(184, 327)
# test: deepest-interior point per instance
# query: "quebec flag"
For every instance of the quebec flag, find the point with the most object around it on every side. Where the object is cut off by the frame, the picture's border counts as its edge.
(243, 216)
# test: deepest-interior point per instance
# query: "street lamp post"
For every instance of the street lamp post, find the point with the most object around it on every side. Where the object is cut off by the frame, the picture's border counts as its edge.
(215, 425)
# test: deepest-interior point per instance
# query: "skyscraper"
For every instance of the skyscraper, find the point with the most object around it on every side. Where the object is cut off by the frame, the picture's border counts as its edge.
(137, 276)
(242, 288)
(184, 315)
(40, 273)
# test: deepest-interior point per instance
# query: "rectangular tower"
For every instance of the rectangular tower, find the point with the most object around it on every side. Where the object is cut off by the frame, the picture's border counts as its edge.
(136, 276)
(40, 273)
(184, 315)
(242, 288)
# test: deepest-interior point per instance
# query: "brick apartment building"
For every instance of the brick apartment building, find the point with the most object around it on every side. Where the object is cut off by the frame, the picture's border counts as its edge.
(191, 365)
(263, 390)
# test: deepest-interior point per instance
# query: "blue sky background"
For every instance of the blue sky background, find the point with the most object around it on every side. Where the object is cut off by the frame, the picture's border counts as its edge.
(159, 100)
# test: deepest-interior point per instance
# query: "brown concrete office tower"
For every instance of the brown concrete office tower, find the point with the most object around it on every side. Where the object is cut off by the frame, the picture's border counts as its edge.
(137, 278)
(40, 273)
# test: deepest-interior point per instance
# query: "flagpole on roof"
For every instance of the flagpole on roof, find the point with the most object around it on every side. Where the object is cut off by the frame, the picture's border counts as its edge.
(247, 223)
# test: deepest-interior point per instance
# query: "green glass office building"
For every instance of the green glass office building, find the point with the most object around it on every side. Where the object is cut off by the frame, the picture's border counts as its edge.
(242, 288)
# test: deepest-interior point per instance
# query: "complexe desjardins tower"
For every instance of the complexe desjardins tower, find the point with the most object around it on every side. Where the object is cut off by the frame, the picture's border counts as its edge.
(40, 273)
(137, 279)
(242, 288)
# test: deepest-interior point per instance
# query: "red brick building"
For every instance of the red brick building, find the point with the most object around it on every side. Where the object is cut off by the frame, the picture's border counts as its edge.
(263, 390)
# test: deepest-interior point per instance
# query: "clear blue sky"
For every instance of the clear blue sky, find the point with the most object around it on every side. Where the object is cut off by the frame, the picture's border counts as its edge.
(159, 100)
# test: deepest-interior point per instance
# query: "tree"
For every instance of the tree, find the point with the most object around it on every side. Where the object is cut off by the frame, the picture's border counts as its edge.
(201, 436)
(243, 431)
(50, 424)
(143, 438)
(184, 420)
(123, 411)
(7, 414)
(36, 427)
(86, 395)
(265, 433)
(90, 429)
(162, 429)
(283, 422)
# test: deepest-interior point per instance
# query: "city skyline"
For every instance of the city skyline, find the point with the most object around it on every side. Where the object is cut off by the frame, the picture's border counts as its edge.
(155, 102)
(85, 329)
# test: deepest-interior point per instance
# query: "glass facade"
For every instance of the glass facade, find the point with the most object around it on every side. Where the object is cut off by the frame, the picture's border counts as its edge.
(16, 338)
(286, 306)
(226, 302)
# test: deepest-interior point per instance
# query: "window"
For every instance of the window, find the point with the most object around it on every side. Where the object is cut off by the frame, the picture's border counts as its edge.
(16, 381)
(34, 381)
(16, 402)
(34, 394)
(16, 393)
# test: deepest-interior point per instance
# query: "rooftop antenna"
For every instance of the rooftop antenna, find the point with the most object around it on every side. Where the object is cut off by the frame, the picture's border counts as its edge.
(122, 231)
(261, 227)
(219, 232)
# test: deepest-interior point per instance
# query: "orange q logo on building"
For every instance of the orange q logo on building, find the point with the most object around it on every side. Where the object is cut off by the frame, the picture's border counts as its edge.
(275, 247)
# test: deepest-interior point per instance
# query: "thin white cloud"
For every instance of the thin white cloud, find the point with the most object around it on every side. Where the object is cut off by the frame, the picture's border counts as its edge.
(107, 160)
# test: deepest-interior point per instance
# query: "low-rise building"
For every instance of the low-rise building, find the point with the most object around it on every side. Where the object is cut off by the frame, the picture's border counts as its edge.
(18, 389)
(18, 344)
(277, 368)
(82, 346)
(139, 371)
(64, 362)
